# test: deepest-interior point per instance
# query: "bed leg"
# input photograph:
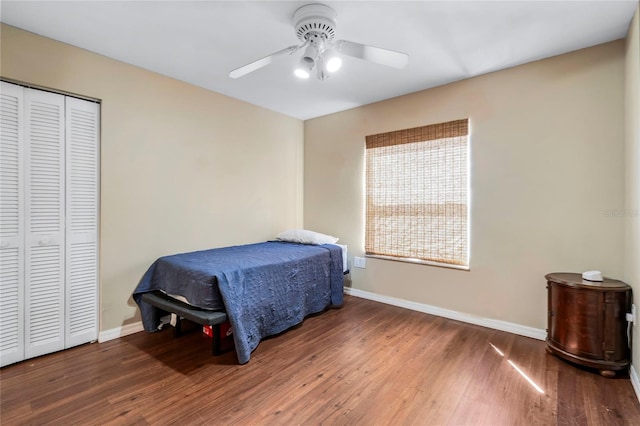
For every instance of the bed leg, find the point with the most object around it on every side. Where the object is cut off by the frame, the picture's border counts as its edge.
(177, 330)
(216, 348)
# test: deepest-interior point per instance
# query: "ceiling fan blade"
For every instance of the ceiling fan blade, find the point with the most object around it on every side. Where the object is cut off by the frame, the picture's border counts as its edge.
(260, 63)
(378, 55)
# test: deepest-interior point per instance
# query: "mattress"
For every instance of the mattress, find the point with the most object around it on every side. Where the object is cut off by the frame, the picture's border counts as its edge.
(345, 266)
(215, 299)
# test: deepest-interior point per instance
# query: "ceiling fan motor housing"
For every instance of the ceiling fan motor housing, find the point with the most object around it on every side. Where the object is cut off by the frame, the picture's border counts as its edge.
(315, 20)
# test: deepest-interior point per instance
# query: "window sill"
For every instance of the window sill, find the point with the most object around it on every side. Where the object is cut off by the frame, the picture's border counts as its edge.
(418, 261)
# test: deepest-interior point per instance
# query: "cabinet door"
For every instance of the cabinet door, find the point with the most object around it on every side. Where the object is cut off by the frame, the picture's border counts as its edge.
(82, 125)
(44, 202)
(11, 224)
(575, 320)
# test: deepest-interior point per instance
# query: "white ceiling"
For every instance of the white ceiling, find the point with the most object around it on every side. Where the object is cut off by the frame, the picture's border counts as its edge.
(200, 42)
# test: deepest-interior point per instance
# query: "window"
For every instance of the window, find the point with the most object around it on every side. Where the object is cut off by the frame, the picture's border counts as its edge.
(417, 186)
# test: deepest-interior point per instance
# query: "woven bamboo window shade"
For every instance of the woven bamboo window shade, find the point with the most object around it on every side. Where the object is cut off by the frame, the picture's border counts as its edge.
(417, 191)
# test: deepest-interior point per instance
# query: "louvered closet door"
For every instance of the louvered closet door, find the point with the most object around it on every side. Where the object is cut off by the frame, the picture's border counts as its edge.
(82, 126)
(11, 225)
(44, 201)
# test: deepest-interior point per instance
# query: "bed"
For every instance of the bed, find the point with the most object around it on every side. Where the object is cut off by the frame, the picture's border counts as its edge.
(264, 288)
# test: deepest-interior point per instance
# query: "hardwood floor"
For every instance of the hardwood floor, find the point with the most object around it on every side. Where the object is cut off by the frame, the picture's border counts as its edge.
(364, 364)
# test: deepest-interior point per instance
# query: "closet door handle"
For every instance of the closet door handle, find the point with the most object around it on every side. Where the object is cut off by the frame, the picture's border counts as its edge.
(4, 244)
(44, 241)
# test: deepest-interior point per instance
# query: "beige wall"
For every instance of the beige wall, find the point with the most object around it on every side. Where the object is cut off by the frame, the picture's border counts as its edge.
(182, 168)
(547, 163)
(632, 175)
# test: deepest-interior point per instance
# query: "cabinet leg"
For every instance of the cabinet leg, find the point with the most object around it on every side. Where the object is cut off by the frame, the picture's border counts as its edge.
(607, 373)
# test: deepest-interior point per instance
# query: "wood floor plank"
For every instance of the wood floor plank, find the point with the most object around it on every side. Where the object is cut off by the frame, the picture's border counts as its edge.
(363, 364)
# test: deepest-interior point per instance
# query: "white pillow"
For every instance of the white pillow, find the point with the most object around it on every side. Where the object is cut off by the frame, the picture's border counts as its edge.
(306, 237)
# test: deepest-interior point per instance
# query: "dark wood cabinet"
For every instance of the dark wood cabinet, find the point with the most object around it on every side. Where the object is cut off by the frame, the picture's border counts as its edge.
(587, 323)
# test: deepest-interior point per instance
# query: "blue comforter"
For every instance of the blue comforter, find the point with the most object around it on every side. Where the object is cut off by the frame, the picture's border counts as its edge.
(265, 288)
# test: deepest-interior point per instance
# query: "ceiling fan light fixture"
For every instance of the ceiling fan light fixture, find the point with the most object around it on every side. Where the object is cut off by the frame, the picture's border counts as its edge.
(301, 73)
(327, 64)
(303, 70)
(333, 63)
(313, 52)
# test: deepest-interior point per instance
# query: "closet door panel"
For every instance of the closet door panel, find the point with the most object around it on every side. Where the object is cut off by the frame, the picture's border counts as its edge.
(45, 183)
(11, 224)
(82, 130)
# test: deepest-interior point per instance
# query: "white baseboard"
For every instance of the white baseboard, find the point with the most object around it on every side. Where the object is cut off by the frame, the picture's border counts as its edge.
(114, 333)
(635, 382)
(509, 327)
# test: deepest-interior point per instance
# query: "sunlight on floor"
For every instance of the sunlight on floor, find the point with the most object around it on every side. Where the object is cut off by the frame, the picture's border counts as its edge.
(522, 373)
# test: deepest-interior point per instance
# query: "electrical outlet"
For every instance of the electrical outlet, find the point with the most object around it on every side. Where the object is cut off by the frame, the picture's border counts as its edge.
(631, 317)
(359, 262)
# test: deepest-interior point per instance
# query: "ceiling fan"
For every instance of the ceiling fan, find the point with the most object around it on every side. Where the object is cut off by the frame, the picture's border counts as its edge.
(315, 26)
